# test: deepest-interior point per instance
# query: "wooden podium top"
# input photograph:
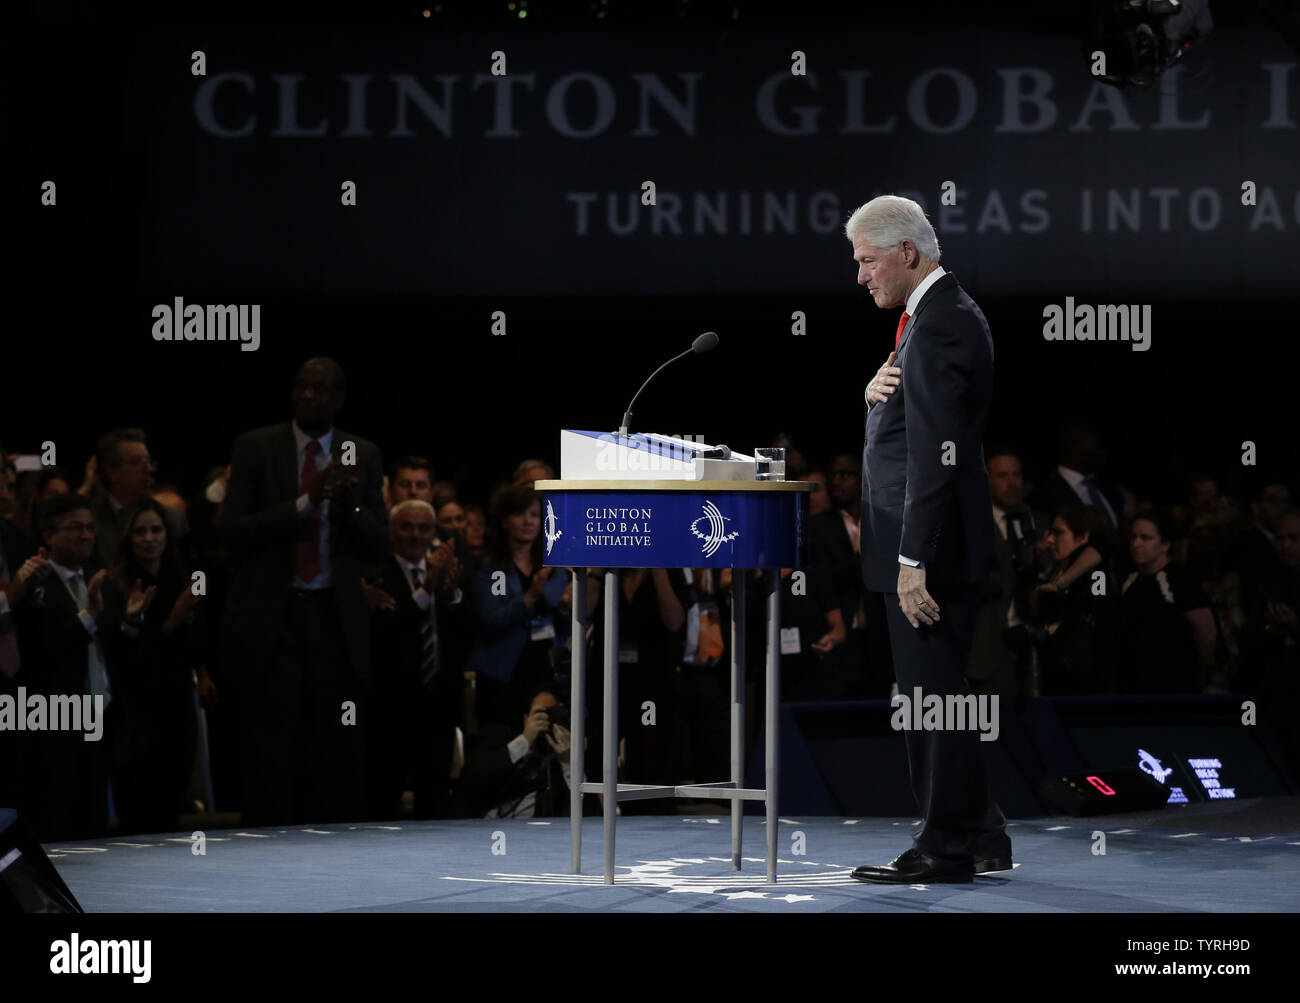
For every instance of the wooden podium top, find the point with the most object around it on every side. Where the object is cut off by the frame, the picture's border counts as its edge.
(671, 485)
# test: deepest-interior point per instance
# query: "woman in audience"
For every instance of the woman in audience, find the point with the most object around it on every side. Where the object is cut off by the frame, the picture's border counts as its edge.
(475, 533)
(451, 521)
(1073, 608)
(1166, 634)
(152, 645)
(521, 608)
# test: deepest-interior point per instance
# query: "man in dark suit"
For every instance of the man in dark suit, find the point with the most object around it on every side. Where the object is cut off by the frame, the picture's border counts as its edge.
(303, 511)
(1075, 480)
(126, 471)
(419, 694)
(834, 541)
(833, 537)
(58, 612)
(1004, 596)
(927, 541)
(1253, 554)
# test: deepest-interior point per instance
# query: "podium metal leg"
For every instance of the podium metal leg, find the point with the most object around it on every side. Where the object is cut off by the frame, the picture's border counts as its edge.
(772, 743)
(577, 715)
(610, 777)
(738, 607)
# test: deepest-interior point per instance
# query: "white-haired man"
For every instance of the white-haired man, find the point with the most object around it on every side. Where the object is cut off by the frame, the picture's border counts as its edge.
(418, 696)
(926, 539)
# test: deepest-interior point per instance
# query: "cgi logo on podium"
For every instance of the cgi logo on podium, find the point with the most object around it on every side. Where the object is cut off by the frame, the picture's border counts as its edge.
(550, 529)
(717, 534)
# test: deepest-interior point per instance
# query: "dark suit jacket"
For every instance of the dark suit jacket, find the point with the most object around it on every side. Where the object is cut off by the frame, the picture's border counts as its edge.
(260, 523)
(913, 501)
(52, 640)
(397, 650)
(988, 651)
(1253, 556)
(1055, 492)
(830, 549)
(65, 777)
(151, 678)
(490, 778)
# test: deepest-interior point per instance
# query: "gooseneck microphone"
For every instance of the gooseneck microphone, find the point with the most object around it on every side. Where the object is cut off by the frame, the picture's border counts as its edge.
(708, 340)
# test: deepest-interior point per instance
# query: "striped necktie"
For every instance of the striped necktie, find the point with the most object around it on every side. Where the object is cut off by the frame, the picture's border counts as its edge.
(96, 669)
(428, 634)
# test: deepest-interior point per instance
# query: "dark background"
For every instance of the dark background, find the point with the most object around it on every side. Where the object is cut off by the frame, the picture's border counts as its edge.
(426, 376)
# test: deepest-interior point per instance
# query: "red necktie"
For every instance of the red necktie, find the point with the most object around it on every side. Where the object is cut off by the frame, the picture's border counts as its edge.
(902, 323)
(307, 566)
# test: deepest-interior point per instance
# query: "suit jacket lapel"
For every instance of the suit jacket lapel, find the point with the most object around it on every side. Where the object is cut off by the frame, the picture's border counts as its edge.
(286, 457)
(336, 453)
(926, 300)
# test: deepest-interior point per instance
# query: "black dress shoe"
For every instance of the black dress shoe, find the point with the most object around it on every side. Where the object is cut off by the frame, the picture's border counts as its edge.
(983, 865)
(914, 867)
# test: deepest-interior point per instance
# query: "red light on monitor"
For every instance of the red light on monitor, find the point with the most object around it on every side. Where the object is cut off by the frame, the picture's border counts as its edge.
(1101, 785)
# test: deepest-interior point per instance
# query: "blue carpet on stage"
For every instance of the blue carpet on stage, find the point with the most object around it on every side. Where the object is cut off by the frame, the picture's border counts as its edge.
(1197, 858)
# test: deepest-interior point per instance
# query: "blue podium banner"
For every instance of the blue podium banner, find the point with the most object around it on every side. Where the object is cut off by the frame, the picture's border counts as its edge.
(675, 529)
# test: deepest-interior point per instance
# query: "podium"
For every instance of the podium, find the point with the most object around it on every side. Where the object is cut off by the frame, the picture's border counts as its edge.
(648, 501)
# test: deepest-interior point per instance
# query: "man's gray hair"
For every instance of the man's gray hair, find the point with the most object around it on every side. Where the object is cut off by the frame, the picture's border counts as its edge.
(419, 503)
(888, 220)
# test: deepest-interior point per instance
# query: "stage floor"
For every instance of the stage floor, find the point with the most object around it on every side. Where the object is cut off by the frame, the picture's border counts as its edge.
(1237, 857)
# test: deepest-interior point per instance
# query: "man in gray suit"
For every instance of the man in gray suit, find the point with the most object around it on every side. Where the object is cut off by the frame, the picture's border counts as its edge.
(303, 512)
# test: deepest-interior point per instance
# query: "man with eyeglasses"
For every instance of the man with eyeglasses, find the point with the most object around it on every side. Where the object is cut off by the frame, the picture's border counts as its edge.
(57, 611)
(126, 473)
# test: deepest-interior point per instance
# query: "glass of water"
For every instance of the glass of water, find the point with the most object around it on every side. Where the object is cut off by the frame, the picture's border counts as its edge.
(769, 463)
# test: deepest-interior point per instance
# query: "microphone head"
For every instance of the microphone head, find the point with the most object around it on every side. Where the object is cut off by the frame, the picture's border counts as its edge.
(705, 342)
